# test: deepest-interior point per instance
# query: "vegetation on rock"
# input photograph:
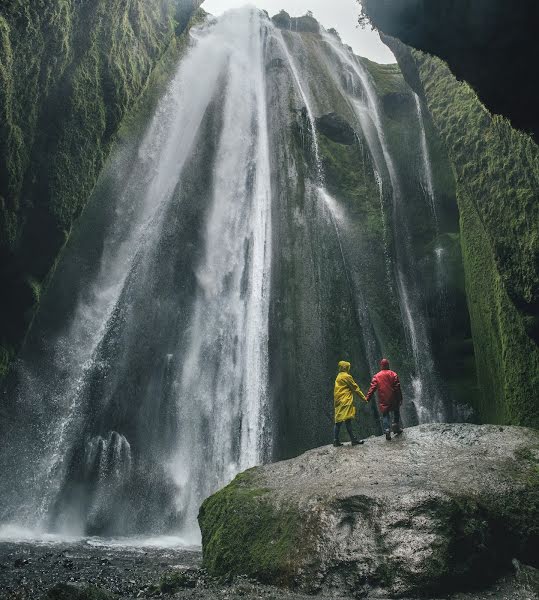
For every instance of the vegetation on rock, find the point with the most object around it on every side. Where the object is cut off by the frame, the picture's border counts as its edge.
(69, 74)
(497, 170)
(239, 512)
(448, 509)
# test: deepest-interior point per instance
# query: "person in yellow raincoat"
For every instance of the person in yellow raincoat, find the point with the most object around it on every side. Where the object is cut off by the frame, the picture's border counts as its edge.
(343, 397)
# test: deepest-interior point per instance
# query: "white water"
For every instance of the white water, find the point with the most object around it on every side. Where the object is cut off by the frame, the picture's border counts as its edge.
(221, 384)
(223, 381)
(426, 170)
(427, 400)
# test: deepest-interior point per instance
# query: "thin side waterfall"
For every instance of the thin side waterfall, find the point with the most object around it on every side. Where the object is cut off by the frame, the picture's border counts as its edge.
(426, 164)
(428, 183)
(427, 399)
(336, 216)
(307, 104)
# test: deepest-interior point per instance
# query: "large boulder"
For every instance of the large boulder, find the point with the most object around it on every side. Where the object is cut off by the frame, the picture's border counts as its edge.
(442, 507)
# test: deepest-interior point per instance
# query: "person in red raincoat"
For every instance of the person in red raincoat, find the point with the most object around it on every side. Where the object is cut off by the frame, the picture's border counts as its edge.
(386, 383)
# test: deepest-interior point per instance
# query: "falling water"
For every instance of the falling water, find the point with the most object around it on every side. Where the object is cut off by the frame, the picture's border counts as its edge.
(224, 372)
(429, 404)
(164, 427)
(425, 158)
(151, 387)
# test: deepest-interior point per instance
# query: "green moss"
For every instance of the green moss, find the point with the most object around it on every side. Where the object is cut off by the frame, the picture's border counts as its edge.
(496, 169)
(243, 534)
(498, 253)
(387, 79)
(499, 168)
(69, 75)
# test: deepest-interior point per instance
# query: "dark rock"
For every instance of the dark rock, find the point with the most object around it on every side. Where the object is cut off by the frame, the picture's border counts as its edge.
(177, 580)
(396, 104)
(306, 23)
(65, 591)
(442, 507)
(336, 128)
(275, 63)
(479, 40)
(20, 562)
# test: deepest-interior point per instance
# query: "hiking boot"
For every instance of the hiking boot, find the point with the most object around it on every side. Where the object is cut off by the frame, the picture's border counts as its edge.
(356, 442)
(396, 428)
(388, 435)
(336, 443)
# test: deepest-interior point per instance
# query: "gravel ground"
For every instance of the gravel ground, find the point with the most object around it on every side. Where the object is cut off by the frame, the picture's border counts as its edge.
(28, 570)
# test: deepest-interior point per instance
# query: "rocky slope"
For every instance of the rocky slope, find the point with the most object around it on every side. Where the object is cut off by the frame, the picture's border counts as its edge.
(496, 169)
(69, 72)
(442, 507)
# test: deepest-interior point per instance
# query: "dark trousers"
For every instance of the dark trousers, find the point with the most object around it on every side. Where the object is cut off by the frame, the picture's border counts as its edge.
(386, 418)
(348, 425)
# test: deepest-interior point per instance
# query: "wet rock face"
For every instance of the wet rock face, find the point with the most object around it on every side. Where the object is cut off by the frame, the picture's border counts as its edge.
(68, 76)
(307, 23)
(479, 40)
(336, 129)
(440, 508)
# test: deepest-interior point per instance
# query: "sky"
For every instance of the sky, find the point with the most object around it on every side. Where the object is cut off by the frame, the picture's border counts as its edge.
(340, 14)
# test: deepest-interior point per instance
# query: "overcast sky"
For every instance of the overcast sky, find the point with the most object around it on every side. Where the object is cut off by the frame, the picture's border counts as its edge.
(340, 14)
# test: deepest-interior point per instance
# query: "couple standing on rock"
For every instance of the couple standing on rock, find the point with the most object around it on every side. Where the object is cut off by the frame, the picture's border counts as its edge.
(386, 382)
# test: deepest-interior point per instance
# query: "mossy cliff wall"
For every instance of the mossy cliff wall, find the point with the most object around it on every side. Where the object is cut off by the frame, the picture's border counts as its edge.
(69, 72)
(497, 173)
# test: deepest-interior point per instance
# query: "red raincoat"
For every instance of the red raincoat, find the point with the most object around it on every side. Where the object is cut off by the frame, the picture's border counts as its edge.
(387, 383)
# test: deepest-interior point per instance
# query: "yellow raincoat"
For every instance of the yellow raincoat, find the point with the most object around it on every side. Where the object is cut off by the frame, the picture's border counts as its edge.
(343, 393)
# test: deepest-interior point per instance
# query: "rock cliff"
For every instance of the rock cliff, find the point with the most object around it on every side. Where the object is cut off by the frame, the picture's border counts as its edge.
(69, 72)
(441, 508)
(496, 169)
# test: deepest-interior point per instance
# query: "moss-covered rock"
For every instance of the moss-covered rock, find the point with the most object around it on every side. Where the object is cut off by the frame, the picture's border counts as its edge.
(242, 511)
(496, 169)
(443, 507)
(69, 73)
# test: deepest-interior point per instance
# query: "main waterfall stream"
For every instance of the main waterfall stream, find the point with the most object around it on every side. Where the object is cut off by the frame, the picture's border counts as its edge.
(229, 256)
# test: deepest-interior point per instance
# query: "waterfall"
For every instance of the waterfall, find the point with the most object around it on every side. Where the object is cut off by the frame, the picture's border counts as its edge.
(196, 346)
(425, 158)
(427, 397)
(225, 368)
(195, 320)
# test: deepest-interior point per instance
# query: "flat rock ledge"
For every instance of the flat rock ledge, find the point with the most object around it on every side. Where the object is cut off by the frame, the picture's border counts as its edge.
(443, 507)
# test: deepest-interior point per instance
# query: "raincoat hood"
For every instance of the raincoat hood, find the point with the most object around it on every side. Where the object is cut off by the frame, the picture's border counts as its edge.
(344, 366)
(384, 363)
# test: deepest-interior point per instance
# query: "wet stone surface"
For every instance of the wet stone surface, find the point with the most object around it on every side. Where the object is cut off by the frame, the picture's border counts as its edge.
(28, 570)
(64, 571)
